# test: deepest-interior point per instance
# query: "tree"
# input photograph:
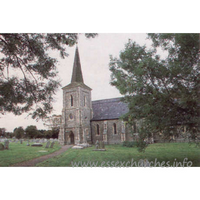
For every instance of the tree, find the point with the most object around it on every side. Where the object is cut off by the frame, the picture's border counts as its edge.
(32, 132)
(19, 132)
(162, 93)
(53, 122)
(2, 132)
(48, 134)
(27, 72)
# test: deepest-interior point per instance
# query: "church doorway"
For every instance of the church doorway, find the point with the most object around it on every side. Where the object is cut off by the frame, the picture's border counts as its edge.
(71, 136)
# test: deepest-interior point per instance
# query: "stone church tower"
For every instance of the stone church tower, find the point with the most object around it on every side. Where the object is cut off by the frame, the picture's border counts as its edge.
(77, 109)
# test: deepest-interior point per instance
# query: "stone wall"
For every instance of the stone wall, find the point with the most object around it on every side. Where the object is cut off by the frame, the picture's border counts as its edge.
(106, 131)
(76, 116)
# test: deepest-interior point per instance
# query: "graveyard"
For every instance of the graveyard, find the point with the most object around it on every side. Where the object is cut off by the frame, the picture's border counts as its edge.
(20, 150)
(118, 153)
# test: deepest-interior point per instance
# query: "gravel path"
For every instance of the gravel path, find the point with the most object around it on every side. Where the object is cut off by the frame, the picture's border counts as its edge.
(35, 161)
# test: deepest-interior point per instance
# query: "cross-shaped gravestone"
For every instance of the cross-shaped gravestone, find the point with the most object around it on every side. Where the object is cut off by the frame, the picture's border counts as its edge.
(6, 144)
(52, 144)
(47, 145)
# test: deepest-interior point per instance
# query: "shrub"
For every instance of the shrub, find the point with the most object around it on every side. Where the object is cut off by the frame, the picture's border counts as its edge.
(129, 144)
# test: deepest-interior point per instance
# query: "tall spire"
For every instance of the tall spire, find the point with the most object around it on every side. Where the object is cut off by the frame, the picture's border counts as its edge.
(77, 73)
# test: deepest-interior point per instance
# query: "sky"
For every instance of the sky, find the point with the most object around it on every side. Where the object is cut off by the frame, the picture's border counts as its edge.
(94, 56)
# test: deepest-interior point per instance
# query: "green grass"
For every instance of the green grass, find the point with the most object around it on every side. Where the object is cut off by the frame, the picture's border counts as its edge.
(20, 152)
(161, 151)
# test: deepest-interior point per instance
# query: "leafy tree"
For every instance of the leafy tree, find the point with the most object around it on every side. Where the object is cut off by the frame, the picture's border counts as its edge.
(162, 92)
(2, 132)
(32, 132)
(27, 72)
(48, 134)
(55, 132)
(19, 132)
(41, 133)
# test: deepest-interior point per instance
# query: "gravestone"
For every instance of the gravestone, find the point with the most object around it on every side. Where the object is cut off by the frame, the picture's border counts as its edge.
(6, 144)
(102, 145)
(36, 145)
(21, 142)
(99, 146)
(52, 144)
(27, 143)
(47, 145)
(1, 146)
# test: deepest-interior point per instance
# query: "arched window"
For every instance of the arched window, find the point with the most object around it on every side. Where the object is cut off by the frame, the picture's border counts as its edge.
(84, 100)
(114, 128)
(72, 103)
(98, 131)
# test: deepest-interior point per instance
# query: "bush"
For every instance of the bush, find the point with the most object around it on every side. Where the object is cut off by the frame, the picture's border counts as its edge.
(129, 144)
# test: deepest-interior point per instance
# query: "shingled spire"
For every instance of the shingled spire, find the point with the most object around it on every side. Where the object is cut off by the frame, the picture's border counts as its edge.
(77, 73)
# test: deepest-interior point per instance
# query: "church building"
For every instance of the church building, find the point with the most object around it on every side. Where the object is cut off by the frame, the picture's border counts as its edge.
(86, 121)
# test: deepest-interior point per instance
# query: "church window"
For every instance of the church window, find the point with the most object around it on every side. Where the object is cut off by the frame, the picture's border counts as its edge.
(98, 131)
(70, 116)
(114, 128)
(72, 102)
(84, 100)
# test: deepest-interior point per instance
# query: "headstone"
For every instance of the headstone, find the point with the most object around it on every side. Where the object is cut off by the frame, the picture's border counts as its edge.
(103, 145)
(97, 144)
(21, 142)
(6, 144)
(77, 147)
(52, 144)
(36, 145)
(47, 145)
(27, 143)
(1, 146)
(100, 145)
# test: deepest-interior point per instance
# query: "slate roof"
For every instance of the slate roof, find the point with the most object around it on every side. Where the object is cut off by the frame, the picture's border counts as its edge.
(108, 109)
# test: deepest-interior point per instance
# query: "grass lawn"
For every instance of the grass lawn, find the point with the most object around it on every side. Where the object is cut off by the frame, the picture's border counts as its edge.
(20, 152)
(172, 152)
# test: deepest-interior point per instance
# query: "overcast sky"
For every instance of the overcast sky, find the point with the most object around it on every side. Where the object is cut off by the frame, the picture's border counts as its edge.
(94, 57)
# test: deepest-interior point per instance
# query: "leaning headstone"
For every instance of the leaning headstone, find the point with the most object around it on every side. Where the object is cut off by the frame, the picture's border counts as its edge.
(6, 144)
(47, 145)
(52, 144)
(1, 146)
